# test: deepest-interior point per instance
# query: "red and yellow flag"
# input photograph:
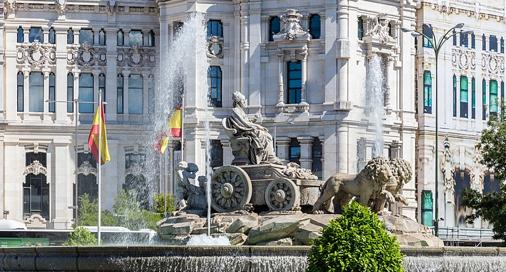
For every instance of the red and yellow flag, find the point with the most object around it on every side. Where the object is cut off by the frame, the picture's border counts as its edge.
(176, 123)
(99, 121)
(162, 143)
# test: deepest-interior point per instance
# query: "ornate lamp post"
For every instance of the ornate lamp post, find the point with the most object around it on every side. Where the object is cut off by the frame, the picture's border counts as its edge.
(436, 45)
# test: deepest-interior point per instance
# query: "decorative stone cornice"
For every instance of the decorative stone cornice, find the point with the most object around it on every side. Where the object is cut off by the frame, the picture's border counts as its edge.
(86, 169)
(35, 168)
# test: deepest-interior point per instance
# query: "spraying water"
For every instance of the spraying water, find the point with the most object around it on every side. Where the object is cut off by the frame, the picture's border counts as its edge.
(375, 101)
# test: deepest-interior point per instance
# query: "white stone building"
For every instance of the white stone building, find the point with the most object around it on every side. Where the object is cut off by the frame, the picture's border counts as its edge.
(471, 88)
(303, 72)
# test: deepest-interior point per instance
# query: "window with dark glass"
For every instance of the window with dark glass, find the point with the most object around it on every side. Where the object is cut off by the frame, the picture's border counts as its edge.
(214, 28)
(491, 184)
(484, 42)
(101, 86)
(427, 31)
(151, 93)
(502, 45)
(87, 183)
(101, 37)
(86, 94)
(274, 27)
(462, 180)
(294, 80)
(214, 79)
(294, 151)
(391, 29)
(36, 189)
(493, 43)
(454, 96)
(501, 104)
(360, 28)
(427, 207)
(473, 40)
(150, 39)
(135, 37)
(135, 94)
(315, 26)
(52, 92)
(20, 92)
(36, 34)
(464, 96)
(20, 35)
(70, 92)
(70, 36)
(473, 98)
(316, 156)
(484, 99)
(86, 35)
(464, 38)
(36, 92)
(454, 37)
(120, 38)
(427, 92)
(52, 36)
(494, 99)
(216, 153)
(119, 94)
(136, 185)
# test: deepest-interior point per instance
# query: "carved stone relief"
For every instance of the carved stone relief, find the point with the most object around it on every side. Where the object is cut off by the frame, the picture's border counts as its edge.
(136, 57)
(35, 168)
(36, 54)
(378, 29)
(477, 172)
(448, 170)
(10, 8)
(291, 28)
(493, 64)
(86, 55)
(215, 47)
(60, 7)
(86, 169)
(464, 59)
(111, 6)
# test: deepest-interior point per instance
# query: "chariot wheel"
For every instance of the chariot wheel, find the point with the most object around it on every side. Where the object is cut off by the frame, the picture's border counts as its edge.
(231, 189)
(282, 195)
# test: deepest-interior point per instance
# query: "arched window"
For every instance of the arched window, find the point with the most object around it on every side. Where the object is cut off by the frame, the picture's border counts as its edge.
(427, 207)
(484, 42)
(150, 39)
(494, 103)
(52, 92)
(20, 92)
(36, 34)
(101, 85)
(473, 40)
(274, 27)
(214, 79)
(135, 94)
(464, 36)
(360, 28)
(316, 156)
(464, 96)
(216, 153)
(36, 92)
(119, 94)
(136, 184)
(35, 187)
(294, 80)
(473, 98)
(391, 29)
(484, 99)
(502, 45)
(493, 43)
(294, 151)
(427, 31)
(454, 96)
(101, 37)
(135, 37)
(214, 28)
(70, 92)
(454, 37)
(86, 179)
(120, 38)
(70, 36)
(315, 26)
(21, 35)
(427, 92)
(86, 35)
(86, 93)
(52, 36)
(462, 182)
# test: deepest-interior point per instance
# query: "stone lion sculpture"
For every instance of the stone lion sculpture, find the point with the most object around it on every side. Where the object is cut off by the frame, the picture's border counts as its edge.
(368, 185)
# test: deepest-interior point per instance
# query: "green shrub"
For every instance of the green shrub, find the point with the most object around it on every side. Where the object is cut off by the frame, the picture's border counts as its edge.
(159, 203)
(356, 241)
(81, 237)
(88, 213)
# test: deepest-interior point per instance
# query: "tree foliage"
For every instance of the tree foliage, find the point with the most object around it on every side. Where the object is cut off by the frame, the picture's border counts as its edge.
(356, 241)
(81, 237)
(491, 206)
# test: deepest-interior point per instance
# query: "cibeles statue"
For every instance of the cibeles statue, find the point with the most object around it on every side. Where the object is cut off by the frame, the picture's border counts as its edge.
(251, 143)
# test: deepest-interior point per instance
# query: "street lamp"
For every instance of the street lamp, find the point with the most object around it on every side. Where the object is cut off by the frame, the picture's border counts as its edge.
(436, 45)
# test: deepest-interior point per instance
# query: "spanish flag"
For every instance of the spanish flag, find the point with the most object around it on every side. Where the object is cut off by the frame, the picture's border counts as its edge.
(99, 121)
(162, 143)
(176, 123)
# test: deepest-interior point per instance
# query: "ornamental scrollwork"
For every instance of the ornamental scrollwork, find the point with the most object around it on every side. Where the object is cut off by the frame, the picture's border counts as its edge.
(215, 47)
(36, 54)
(493, 64)
(35, 168)
(136, 57)
(291, 28)
(378, 29)
(86, 169)
(464, 59)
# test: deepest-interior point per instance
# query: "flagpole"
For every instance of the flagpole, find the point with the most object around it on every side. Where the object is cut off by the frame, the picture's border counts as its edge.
(99, 234)
(182, 127)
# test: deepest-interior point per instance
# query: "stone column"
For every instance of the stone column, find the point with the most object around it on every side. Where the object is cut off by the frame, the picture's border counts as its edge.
(343, 50)
(46, 91)
(244, 48)
(253, 44)
(306, 158)
(61, 74)
(62, 186)
(281, 90)
(342, 150)
(76, 86)
(126, 75)
(95, 89)
(11, 72)
(14, 179)
(283, 144)
(111, 74)
(2, 71)
(304, 76)
(26, 89)
(145, 97)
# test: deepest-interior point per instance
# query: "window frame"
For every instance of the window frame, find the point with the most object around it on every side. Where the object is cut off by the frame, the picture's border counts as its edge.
(20, 91)
(70, 92)
(427, 92)
(120, 94)
(38, 104)
(81, 36)
(464, 96)
(131, 90)
(274, 24)
(32, 37)
(85, 106)
(215, 90)
(214, 28)
(52, 92)
(293, 93)
(315, 27)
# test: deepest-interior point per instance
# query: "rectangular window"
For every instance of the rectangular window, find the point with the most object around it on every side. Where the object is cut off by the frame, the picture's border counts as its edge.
(294, 151)
(151, 94)
(135, 94)
(214, 79)
(119, 94)
(135, 38)
(36, 34)
(454, 96)
(70, 92)
(86, 93)
(216, 154)
(493, 43)
(86, 36)
(427, 92)
(484, 42)
(473, 98)
(360, 28)
(36, 93)
(427, 203)
(274, 27)
(315, 26)
(464, 39)
(484, 99)
(52, 92)
(316, 154)
(494, 103)
(473, 40)
(464, 96)
(427, 31)
(501, 104)
(214, 28)
(20, 92)
(294, 82)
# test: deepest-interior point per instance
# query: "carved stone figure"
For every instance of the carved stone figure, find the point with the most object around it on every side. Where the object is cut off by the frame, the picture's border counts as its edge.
(251, 143)
(111, 6)
(192, 197)
(10, 8)
(294, 171)
(368, 185)
(448, 170)
(60, 8)
(379, 29)
(291, 28)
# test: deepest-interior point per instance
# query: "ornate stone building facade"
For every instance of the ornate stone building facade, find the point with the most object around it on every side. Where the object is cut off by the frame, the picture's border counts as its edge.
(302, 66)
(471, 90)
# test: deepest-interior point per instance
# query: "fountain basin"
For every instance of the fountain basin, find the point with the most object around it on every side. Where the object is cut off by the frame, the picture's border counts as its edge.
(227, 258)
